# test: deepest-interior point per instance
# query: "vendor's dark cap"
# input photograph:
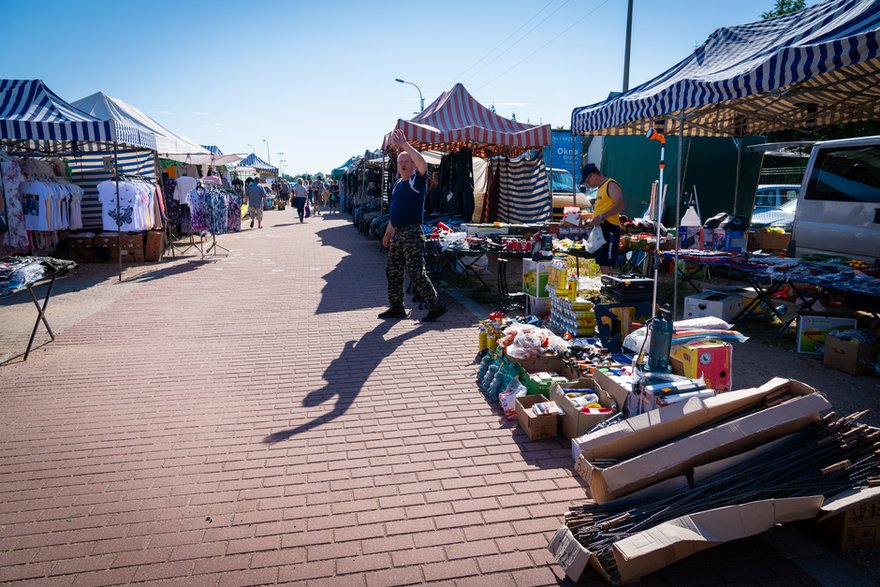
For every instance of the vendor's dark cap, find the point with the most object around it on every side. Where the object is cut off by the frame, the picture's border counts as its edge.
(587, 170)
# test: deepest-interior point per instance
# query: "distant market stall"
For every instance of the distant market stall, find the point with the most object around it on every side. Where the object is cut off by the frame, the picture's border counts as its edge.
(458, 126)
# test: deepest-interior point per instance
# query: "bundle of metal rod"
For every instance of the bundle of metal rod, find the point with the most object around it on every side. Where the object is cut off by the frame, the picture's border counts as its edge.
(779, 396)
(828, 457)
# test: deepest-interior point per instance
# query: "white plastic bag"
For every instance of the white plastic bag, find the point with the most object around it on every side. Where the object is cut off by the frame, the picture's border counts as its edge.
(595, 240)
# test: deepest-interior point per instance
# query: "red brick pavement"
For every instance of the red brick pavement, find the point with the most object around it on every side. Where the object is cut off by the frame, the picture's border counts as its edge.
(247, 420)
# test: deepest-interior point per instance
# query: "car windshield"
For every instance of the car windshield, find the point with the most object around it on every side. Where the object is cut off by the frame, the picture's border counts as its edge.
(789, 206)
(561, 181)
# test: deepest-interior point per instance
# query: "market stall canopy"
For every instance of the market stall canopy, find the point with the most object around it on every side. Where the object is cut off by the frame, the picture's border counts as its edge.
(455, 120)
(256, 163)
(805, 70)
(36, 118)
(168, 144)
(222, 159)
(339, 171)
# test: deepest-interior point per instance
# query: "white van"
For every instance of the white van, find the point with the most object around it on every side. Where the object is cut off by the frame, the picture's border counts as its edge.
(838, 210)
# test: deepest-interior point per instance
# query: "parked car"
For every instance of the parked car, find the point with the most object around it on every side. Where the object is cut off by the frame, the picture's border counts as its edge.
(563, 189)
(781, 217)
(772, 196)
(838, 210)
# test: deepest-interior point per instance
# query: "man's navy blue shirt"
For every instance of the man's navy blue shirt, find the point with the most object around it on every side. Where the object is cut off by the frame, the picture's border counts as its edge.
(408, 200)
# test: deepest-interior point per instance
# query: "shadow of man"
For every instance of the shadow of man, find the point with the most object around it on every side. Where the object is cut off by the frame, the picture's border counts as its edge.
(347, 374)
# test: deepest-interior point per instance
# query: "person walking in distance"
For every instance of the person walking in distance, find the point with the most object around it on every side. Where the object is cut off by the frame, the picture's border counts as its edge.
(256, 200)
(300, 197)
(404, 236)
(606, 213)
(317, 195)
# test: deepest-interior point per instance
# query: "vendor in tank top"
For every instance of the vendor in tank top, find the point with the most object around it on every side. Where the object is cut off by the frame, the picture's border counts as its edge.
(606, 213)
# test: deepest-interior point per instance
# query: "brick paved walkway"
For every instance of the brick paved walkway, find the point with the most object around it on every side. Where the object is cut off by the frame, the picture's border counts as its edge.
(248, 420)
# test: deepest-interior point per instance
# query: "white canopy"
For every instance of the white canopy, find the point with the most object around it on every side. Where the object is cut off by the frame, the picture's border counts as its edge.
(169, 145)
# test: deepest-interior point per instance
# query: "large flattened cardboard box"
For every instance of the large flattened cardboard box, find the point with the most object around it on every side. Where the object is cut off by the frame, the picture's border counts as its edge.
(709, 359)
(535, 276)
(850, 356)
(573, 422)
(654, 548)
(538, 427)
(654, 462)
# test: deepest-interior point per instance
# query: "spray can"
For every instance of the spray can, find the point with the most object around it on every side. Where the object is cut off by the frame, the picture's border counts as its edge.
(484, 343)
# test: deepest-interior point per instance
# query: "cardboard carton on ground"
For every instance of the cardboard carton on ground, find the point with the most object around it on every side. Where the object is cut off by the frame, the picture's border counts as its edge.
(850, 356)
(713, 303)
(658, 426)
(852, 519)
(549, 363)
(574, 422)
(813, 329)
(676, 458)
(154, 245)
(109, 242)
(711, 360)
(538, 427)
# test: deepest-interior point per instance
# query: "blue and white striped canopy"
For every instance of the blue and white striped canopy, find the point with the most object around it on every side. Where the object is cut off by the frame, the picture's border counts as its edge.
(817, 67)
(29, 111)
(253, 161)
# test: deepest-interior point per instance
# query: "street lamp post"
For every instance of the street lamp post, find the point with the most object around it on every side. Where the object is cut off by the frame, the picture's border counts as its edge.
(268, 154)
(421, 98)
(253, 150)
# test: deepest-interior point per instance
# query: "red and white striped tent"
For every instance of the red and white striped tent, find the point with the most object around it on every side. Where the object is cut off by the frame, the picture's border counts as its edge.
(456, 120)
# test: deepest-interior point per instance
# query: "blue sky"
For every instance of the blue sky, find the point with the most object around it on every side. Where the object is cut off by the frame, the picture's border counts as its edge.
(315, 80)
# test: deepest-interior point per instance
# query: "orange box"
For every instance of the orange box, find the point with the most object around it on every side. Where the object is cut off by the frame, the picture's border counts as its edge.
(710, 359)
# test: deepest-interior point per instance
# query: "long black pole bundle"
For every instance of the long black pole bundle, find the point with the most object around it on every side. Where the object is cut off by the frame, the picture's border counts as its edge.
(826, 458)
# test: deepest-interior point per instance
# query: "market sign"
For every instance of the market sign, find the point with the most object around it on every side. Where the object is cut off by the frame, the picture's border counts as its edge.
(560, 155)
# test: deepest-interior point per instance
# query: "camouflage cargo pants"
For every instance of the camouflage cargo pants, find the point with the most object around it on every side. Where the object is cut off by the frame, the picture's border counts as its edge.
(407, 253)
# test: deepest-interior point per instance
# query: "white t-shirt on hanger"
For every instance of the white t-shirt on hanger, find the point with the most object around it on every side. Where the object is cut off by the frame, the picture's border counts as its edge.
(185, 185)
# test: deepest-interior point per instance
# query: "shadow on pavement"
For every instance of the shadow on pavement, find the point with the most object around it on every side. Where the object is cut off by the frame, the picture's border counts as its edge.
(347, 275)
(347, 374)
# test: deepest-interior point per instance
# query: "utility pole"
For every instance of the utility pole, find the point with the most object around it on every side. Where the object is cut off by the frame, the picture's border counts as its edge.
(629, 27)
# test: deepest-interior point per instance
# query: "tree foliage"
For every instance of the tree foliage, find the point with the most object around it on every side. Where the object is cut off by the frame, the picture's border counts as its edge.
(784, 7)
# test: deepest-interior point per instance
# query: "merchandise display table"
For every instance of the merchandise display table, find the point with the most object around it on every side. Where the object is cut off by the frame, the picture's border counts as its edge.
(767, 276)
(25, 273)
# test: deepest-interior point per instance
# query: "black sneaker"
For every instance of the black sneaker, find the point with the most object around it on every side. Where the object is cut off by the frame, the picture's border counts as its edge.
(434, 314)
(399, 312)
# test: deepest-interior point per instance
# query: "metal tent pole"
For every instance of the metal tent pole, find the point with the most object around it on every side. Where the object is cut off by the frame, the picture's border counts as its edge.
(118, 226)
(678, 214)
(658, 203)
(739, 151)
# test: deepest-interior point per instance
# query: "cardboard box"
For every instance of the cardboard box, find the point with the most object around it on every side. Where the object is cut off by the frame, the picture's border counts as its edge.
(132, 256)
(535, 276)
(732, 241)
(574, 423)
(82, 255)
(768, 241)
(537, 427)
(154, 245)
(653, 428)
(132, 242)
(850, 356)
(711, 360)
(676, 458)
(652, 549)
(712, 303)
(81, 243)
(852, 519)
(812, 329)
(107, 242)
(550, 363)
(537, 306)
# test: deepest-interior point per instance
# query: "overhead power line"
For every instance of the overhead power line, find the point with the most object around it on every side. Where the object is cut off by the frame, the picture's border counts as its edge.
(542, 47)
